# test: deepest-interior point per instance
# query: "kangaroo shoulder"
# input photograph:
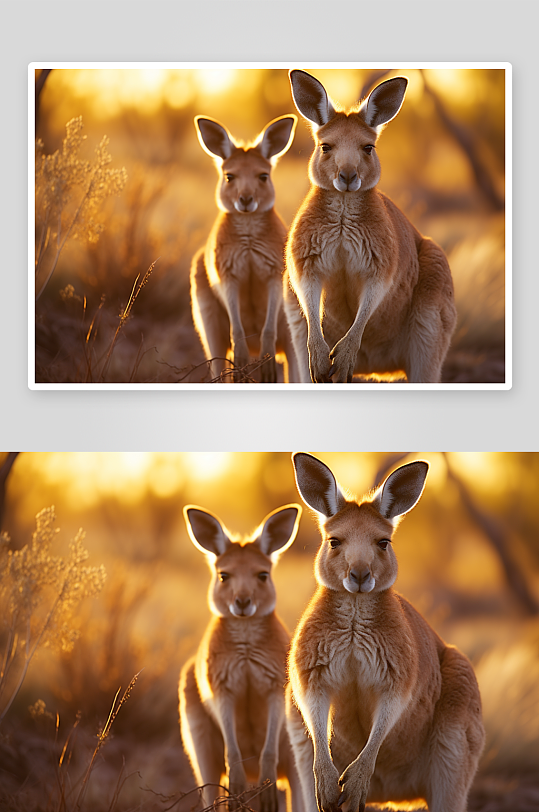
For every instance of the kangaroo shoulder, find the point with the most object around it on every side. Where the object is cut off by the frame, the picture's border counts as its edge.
(399, 220)
(418, 624)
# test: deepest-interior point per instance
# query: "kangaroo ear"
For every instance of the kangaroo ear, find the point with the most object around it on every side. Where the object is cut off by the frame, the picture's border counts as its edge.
(205, 531)
(310, 98)
(384, 102)
(316, 484)
(278, 530)
(402, 489)
(277, 137)
(214, 138)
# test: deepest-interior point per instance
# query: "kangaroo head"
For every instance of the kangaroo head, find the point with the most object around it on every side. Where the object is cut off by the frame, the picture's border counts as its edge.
(356, 553)
(245, 183)
(345, 156)
(241, 582)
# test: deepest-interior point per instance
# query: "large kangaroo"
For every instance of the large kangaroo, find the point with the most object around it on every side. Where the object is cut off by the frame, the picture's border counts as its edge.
(237, 278)
(232, 692)
(377, 296)
(394, 713)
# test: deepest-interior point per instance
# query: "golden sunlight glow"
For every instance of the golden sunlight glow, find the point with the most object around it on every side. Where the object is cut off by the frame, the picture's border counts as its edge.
(357, 472)
(135, 461)
(227, 482)
(472, 564)
(111, 90)
(207, 465)
(167, 474)
(84, 478)
(214, 82)
(437, 478)
(481, 467)
(178, 89)
(87, 477)
(456, 84)
(354, 472)
(343, 86)
(414, 91)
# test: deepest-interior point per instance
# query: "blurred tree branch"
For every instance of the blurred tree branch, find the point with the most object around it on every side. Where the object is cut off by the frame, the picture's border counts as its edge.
(468, 146)
(373, 79)
(388, 463)
(499, 541)
(493, 529)
(5, 469)
(40, 83)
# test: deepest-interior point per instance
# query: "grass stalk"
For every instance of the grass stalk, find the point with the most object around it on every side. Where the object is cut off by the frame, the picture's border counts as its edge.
(124, 315)
(102, 737)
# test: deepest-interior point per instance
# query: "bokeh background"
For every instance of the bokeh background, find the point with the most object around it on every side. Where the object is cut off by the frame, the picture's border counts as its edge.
(468, 557)
(443, 162)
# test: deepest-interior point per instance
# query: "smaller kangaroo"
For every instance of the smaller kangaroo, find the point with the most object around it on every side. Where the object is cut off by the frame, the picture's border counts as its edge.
(237, 278)
(377, 296)
(394, 713)
(232, 691)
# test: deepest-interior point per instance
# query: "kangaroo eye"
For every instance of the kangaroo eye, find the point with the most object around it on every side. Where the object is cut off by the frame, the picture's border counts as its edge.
(325, 147)
(383, 544)
(228, 177)
(223, 576)
(263, 177)
(334, 543)
(263, 576)
(368, 149)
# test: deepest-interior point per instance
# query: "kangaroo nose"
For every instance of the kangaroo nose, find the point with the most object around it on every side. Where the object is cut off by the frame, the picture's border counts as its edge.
(348, 178)
(242, 603)
(246, 201)
(360, 577)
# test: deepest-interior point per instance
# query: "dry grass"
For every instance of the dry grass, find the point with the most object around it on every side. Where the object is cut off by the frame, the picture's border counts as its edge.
(139, 763)
(509, 681)
(69, 193)
(477, 260)
(39, 592)
(76, 344)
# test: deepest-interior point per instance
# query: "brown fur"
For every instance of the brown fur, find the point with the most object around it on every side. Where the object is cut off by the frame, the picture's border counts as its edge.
(394, 713)
(377, 296)
(236, 279)
(232, 691)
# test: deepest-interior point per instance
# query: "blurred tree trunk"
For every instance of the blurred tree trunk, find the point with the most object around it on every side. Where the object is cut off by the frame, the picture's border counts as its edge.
(468, 146)
(374, 78)
(40, 82)
(388, 463)
(492, 528)
(499, 541)
(5, 469)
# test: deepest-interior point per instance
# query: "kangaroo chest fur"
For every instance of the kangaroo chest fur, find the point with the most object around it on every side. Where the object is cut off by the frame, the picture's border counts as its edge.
(353, 655)
(348, 234)
(235, 659)
(245, 253)
(347, 243)
(366, 653)
(244, 245)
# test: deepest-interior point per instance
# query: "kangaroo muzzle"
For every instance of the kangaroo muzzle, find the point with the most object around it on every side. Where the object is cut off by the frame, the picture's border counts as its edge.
(242, 606)
(347, 180)
(246, 204)
(359, 580)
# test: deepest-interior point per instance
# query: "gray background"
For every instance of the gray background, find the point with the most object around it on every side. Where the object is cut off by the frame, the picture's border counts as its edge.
(296, 32)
